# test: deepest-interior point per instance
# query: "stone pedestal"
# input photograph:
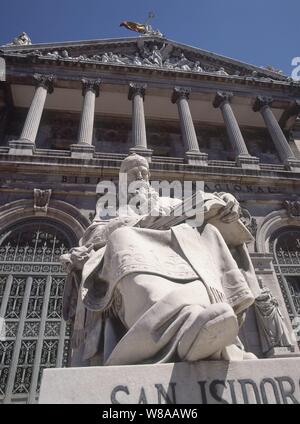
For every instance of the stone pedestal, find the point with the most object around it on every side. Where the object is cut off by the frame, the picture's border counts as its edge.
(196, 158)
(212, 382)
(82, 151)
(21, 147)
(292, 164)
(248, 162)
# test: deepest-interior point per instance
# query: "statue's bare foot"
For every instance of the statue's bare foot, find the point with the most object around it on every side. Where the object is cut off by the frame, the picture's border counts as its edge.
(218, 327)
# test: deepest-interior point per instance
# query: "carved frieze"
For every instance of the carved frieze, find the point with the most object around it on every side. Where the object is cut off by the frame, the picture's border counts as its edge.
(152, 54)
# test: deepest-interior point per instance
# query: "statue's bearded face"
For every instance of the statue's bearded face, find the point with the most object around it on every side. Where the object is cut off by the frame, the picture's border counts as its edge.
(138, 173)
(145, 196)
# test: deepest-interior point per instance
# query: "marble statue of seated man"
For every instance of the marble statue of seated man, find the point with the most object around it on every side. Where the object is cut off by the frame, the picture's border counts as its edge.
(139, 295)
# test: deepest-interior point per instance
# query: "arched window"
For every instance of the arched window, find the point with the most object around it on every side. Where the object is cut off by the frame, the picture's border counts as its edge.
(33, 335)
(285, 245)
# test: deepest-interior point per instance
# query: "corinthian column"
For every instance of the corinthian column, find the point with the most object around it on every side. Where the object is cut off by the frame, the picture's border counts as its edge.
(26, 142)
(84, 147)
(243, 159)
(193, 155)
(139, 139)
(262, 105)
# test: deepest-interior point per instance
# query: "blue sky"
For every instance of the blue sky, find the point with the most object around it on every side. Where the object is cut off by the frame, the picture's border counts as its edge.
(261, 32)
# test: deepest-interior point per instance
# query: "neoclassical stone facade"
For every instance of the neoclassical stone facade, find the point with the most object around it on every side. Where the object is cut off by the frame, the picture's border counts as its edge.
(71, 112)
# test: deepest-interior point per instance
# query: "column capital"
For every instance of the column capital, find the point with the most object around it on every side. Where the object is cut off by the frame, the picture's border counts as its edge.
(221, 97)
(90, 84)
(45, 81)
(260, 102)
(136, 88)
(179, 93)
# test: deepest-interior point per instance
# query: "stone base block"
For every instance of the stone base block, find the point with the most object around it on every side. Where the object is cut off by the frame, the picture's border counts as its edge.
(293, 165)
(82, 151)
(248, 162)
(212, 382)
(198, 159)
(21, 147)
(146, 153)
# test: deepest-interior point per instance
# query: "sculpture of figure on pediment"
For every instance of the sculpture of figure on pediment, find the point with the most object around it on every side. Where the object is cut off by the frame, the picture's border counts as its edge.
(96, 57)
(147, 62)
(272, 328)
(115, 58)
(221, 71)
(81, 57)
(197, 67)
(35, 53)
(156, 56)
(137, 60)
(152, 291)
(273, 69)
(169, 64)
(105, 58)
(54, 54)
(65, 54)
(21, 40)
(183, 63)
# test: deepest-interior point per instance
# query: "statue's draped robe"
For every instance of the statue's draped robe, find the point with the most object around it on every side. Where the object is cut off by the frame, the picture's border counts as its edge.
(272, 328)
(191, 258)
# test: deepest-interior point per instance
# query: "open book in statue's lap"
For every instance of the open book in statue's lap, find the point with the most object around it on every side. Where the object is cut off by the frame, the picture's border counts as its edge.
(153, 293)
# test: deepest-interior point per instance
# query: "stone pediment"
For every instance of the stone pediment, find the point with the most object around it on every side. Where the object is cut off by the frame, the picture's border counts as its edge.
(147, 52)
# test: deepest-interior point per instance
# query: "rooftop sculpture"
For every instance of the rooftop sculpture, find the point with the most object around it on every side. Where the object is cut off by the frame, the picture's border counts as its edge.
(144, 29)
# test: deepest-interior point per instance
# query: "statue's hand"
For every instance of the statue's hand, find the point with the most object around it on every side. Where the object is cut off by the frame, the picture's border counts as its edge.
(76, 258)
(231, 211)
